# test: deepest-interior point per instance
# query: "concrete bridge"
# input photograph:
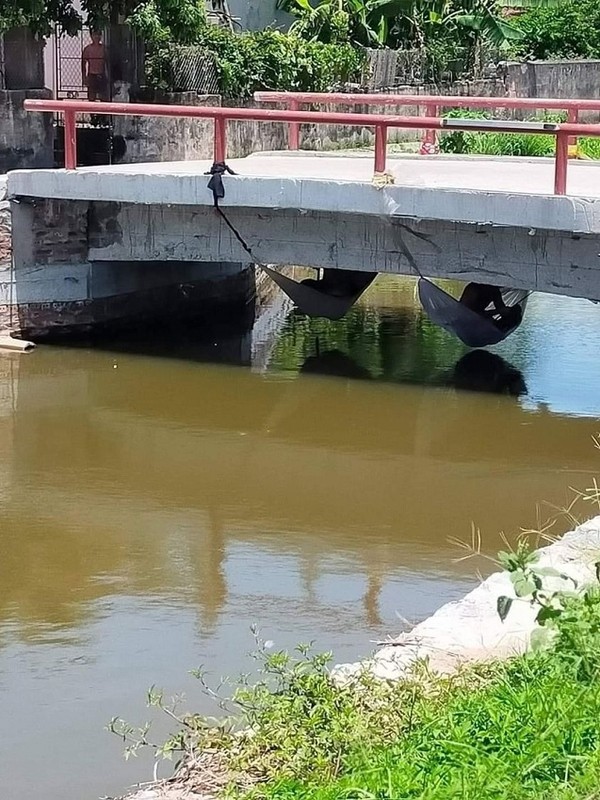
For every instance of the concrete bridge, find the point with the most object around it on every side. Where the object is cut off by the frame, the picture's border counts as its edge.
(97, 244)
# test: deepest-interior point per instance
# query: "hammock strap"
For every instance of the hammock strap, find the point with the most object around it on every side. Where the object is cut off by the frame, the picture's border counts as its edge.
(215, 184)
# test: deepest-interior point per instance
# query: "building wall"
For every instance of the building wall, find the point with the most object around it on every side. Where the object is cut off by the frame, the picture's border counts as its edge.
(26, 139)
(256, 15)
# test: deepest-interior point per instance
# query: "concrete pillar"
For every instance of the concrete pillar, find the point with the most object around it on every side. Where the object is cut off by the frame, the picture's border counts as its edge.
(56, 288)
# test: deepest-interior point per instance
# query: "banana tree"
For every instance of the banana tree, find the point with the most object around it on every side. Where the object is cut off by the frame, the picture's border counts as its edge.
(370, 22)
(363, 22)
(487, 18)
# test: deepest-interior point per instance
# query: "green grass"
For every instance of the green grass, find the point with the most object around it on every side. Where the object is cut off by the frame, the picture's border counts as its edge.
(590, 147)
(533, 733)
(528, 730)
(508, 144)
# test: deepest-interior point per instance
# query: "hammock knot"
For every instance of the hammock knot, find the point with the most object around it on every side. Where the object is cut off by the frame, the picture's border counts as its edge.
(215, 184)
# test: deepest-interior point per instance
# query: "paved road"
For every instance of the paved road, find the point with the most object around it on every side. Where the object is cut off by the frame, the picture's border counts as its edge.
(519, 175)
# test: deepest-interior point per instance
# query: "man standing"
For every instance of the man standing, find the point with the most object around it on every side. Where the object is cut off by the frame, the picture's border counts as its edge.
(93, 68)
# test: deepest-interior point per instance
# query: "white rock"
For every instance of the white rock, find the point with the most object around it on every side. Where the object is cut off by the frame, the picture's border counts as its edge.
(470, 629)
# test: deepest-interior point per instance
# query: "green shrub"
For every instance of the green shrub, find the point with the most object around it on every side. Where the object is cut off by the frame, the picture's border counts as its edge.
(564, 30)
(263, 60)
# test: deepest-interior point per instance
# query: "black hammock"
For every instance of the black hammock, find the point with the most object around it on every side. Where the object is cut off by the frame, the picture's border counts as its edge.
(308, 298)
(315, 302)
(472, 328)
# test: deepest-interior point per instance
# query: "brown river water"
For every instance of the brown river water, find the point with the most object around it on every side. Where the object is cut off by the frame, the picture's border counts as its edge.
(159, 499)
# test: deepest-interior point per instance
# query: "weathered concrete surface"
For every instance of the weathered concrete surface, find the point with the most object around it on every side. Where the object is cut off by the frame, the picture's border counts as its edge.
(466, 218)
(125, 232)
(470, 630)
(23, 60)
(562, 78)
(26, 139)
(159, 139)
(501, 191)
(55, 286)
(259, 14)
(5, 238)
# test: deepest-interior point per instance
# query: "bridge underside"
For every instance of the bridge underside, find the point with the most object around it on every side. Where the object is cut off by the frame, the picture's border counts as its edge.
(96, 235)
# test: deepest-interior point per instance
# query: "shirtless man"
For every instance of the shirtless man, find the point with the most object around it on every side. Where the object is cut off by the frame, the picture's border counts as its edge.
(93, 68)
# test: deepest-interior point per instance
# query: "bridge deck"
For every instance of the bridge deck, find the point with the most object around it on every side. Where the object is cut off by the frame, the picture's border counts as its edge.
(502, 191)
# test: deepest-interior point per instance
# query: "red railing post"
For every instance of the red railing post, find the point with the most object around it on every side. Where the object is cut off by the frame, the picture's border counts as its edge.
(294, 127)
(220, 144)
(380, 148)
(70, 139)
(429, 142)
(561, 162)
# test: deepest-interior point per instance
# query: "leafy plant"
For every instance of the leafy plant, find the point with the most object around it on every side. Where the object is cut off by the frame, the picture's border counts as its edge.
(508, 144)
(291, 720)
(568, 29)
(262, 60)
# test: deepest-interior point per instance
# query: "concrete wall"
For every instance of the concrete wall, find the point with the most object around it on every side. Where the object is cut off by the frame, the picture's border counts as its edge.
(511, 256)
(566, 79)
(164, 140)
(26, 140)
(55, 285)
(160, 139)
(554, 79)
(23, 60)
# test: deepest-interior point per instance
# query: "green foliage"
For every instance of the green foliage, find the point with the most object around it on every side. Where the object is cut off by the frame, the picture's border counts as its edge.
(290, 721)
(526, 730)
(263, 60)
(157, 20)
(39, 16)
(566, 30)
(363, 22)
(508, 144)
(590, 147)
(400, 23)
(160, 22)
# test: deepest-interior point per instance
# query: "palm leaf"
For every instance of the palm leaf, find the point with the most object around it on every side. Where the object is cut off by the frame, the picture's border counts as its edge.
(497, 30)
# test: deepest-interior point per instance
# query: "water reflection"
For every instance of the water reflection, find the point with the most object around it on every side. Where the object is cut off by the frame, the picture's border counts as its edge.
(334, 363)
(476, 371)
(153, 505)
(482, 371)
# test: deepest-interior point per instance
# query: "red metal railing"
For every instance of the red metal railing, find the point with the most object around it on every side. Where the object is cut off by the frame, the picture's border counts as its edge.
(432, 104)
(381, 123)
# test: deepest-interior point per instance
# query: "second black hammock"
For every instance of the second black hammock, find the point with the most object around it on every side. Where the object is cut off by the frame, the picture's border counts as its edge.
(473, 329)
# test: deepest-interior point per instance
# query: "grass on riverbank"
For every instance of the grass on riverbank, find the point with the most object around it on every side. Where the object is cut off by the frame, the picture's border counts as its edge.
(510, 144)
(532, 733)
(525, 730)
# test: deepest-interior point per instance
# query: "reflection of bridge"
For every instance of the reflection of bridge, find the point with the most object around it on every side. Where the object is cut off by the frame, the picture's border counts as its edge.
(165, 493)
(503, 221)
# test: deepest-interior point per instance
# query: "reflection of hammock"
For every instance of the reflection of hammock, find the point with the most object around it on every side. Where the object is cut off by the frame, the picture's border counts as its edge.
(312, 301)
(471, 328)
